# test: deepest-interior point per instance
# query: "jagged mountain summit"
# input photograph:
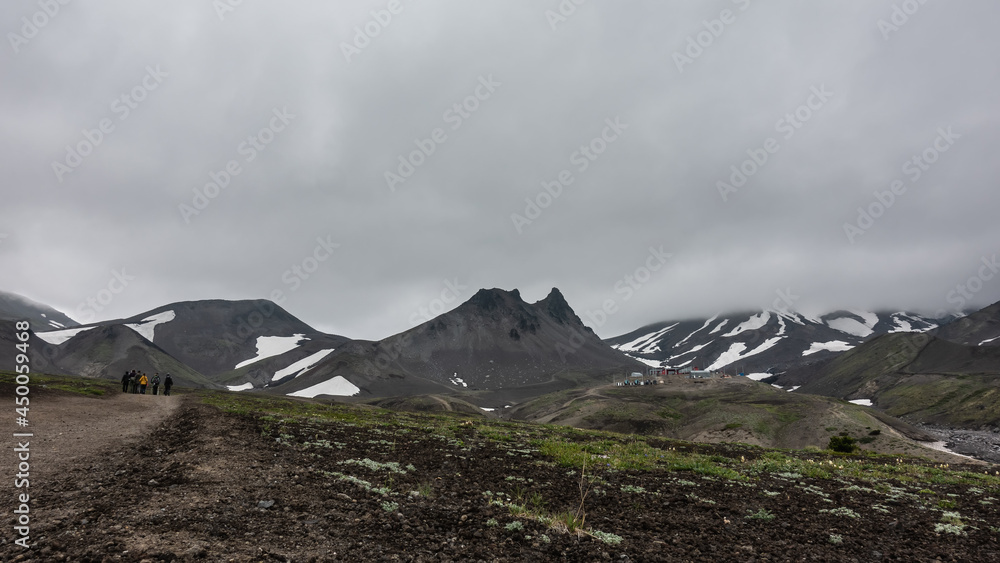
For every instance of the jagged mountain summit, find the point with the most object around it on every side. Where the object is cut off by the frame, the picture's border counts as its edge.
(492, 341)
(758, 342)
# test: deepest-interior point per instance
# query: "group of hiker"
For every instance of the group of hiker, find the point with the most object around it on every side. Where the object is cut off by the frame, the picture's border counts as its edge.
(136, 382)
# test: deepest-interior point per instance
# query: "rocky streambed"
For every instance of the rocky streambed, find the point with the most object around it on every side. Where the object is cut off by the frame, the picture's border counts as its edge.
(980, 444)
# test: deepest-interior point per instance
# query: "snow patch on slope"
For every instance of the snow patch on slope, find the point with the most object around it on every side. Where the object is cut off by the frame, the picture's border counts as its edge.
(870, 319)
(850, 326)
(301, 366)
(644, 340)
(753, 323)
(650, 363)
(902, 325)
(718, 328)
(691, 351)
(337, 386)
(831, 346)
(708, 322)
(57, 337)
(988, 340)
(268, 346)
(147, 327)
(735, 353)
(244, 387)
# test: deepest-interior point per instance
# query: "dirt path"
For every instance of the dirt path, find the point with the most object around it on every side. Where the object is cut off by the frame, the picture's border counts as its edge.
(67, 428)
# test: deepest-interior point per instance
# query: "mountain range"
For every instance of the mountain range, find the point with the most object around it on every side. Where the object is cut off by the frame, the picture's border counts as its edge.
(493, 341)
(497, 348)
(762, 341)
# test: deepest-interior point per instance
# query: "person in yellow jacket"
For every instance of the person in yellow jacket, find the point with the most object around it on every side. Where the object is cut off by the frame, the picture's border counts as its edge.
(143, 381)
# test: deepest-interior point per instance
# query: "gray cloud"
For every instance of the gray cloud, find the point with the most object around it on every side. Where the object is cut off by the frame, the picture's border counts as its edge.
(323, 174)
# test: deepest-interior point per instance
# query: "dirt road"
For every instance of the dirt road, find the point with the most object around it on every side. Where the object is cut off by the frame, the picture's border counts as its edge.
(67, 427)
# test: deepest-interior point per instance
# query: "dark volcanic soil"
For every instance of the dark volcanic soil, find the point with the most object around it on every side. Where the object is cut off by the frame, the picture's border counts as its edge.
(202, 485)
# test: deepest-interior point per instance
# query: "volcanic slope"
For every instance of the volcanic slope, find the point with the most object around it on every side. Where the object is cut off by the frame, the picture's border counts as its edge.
(217, 337)
(107, 352)
(755, 342)
(917, 377)
(495, 340)
(981, 328)
(726, 410)
(14, 307)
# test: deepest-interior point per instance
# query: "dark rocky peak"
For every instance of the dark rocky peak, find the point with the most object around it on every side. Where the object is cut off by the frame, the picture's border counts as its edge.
(494, 299)
(556, 306)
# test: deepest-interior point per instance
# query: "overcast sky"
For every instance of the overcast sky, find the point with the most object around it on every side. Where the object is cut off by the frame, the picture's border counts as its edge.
(644, 108)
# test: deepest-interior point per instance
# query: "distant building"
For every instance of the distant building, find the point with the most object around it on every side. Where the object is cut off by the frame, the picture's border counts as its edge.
(638, 378)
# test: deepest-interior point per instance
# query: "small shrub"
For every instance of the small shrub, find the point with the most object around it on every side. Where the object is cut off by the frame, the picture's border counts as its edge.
(842, 511)
(842, 444)
(762, 514)
(610, 539)
(941, 527)
(492, 523)
(514, 526)
(836, 539)
(390, 506)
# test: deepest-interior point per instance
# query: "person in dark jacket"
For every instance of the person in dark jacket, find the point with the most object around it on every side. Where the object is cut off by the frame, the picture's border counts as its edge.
(156, 382)
(135, 382)
(168, 382)
(125, 381)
